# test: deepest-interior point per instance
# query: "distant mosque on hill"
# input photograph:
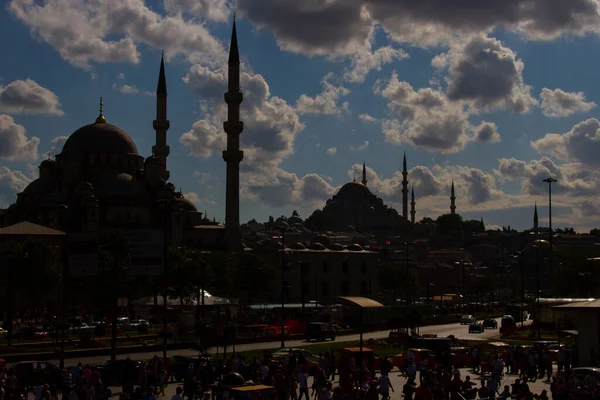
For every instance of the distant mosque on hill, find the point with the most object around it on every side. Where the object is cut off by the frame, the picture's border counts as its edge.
(100, 182)
(355, 207)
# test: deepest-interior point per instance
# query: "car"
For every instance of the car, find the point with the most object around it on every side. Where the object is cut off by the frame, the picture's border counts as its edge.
(466, 319)
(476, 327)
(319, 331)
(29, 373)
(490, 323)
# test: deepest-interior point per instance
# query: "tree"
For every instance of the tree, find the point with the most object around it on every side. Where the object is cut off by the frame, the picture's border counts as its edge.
(449, 224)
(427, 221)
(473, 226)
(35, 266)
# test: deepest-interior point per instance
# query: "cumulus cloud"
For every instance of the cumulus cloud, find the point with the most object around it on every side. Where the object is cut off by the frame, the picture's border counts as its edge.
(11, 183)
(332, 151)
(326, 102)
(558, 103)
(581, 143)
(343, 26)
(215, 10)
(367, 118)
(362, 147)
(486, 132)
(126, 89)
(430, 120)
(110, 31)
(14, 143)
(486, 75)
(365, 61)
(271, 124)
(56, 146)
(573, 178)
(28, 97)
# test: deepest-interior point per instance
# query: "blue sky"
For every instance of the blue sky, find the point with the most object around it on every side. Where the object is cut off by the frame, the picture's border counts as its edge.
(495, 96)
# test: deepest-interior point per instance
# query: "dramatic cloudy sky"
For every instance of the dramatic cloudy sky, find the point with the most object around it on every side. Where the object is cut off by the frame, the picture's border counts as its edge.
(496, 95)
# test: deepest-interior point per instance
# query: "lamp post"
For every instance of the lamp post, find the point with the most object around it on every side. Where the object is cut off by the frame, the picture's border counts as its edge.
(282, 286)
(521, 266)
(537, 295)
(302, 299)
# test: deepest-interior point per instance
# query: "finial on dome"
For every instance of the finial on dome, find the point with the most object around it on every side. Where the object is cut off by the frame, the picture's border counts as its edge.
(101, 119)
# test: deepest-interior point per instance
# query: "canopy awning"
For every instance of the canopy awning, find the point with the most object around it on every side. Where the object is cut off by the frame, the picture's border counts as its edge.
(362, 302)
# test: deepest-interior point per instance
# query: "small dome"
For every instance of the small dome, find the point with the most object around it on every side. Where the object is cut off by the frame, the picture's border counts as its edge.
(337, 246)
(317, 246)
(323, 239)
(539, 244)
(294, 220)
(99, 138)
(299, 246)
(186, 205)
(233, 379)
(49, 163)
(40, 186)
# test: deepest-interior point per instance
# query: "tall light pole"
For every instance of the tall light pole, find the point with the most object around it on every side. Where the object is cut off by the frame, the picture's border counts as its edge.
(537, 287)
(521, 266)
(282, 286)
(550, 180)
(406, 296)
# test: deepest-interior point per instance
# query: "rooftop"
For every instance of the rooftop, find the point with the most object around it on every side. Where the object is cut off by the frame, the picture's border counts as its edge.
(29, 229)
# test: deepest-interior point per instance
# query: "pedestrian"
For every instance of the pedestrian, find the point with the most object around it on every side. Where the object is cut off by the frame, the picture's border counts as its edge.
(385, 385)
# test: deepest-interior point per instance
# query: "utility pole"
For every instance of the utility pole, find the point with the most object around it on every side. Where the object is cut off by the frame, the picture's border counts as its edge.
(282, 286)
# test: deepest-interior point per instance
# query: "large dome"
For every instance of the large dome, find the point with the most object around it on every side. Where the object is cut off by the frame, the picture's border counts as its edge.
(353, 189)
(99, 137)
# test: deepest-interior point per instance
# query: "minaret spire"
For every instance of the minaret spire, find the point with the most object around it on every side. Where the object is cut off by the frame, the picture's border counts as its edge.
(364, 179)
(101, 118)
(233, 155)
(404, 188)
(413, 212)
(452, 200)
(161, 124)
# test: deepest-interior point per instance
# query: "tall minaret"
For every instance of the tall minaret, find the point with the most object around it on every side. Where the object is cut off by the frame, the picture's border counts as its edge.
(452, 200)
(404, 189)
(161, 124)
(413, 212)
(535, 219)
(233, 155)
(364, 180)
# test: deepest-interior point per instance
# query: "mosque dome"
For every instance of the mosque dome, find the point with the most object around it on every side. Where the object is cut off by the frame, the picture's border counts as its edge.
(116, 184)
(353, 189)
(99, 137)
(186, 205)
(48, 163)
(40, 186)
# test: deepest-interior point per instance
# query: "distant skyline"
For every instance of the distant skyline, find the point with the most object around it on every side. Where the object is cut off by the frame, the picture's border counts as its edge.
(494, 95)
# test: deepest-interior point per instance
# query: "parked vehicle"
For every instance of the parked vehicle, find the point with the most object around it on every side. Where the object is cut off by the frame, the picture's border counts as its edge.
(466, 319)
(476, 327)
(29, 373)
(490, 323)
(319, 331)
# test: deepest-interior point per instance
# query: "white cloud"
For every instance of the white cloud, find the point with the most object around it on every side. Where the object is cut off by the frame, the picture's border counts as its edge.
(28, 97)
(14, 143)
(486, 132)
(56, 146)
(11, 183)
(367, 118)
(215, 10)
(558, 103)
(331, 151)
(366, 61)
(126, 89)
(487, 76)
(581, 143)
(109, 31)
(121, 76)
(362, 147)
(326, 102)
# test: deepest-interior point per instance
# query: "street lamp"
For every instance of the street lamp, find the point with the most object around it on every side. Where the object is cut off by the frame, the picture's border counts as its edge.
(537, 284)
(406, 244)
(282, 286)
(550, 180)
(521, 265)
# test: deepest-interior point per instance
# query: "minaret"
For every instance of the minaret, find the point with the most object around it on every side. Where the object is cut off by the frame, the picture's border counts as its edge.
(452, 200)
(364, 180)
(413, 212)
(233, 155)
(161, 124)
(404, 189)
(535, 219)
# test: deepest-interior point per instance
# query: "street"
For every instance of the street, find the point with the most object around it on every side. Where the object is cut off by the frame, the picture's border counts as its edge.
(459, 331)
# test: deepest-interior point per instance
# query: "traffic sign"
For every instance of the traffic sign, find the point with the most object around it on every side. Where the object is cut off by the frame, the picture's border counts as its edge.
(146, 252)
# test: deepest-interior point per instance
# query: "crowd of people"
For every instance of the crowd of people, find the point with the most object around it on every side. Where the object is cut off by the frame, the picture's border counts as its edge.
(294, 378)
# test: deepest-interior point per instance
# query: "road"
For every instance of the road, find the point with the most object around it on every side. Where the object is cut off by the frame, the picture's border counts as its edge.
(459, 331)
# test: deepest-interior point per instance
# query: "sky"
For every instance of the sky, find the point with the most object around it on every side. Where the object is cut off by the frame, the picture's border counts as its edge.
(494, 95)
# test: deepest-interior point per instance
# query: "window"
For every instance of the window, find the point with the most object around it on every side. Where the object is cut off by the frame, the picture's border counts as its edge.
(325, 288)
(306, 287)
(344, 288)
(363, 288)
(325, 267)
(345, 267)
(363, 267)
